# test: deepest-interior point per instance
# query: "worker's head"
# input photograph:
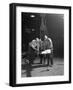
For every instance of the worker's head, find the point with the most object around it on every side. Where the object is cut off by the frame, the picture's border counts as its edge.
(46, 37)
(37, 39)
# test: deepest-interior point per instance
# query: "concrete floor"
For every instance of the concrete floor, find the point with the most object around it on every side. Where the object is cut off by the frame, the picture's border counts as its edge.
(43, 70)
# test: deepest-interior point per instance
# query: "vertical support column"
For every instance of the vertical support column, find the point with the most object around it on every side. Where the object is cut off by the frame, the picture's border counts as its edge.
(43, 28)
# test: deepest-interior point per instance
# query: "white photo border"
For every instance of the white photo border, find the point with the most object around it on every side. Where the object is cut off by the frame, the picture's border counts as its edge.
(65, 77)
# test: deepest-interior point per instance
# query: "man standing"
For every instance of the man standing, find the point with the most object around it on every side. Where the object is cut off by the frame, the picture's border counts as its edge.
(47, 52)
(48, 45)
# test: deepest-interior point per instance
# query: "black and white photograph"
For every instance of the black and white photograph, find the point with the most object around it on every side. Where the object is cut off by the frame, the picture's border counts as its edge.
(40, 44)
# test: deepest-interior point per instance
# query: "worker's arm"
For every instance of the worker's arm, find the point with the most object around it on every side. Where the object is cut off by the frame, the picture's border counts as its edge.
(51, 45)
(34, 46)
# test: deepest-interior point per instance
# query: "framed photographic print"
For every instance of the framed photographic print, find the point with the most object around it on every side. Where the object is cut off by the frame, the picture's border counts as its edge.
(40, 44)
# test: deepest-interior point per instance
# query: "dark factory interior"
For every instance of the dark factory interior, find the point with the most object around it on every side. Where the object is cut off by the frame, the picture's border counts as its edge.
(54, 29)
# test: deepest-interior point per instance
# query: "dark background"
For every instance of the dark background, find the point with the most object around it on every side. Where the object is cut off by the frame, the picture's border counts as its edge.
(55, 30)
